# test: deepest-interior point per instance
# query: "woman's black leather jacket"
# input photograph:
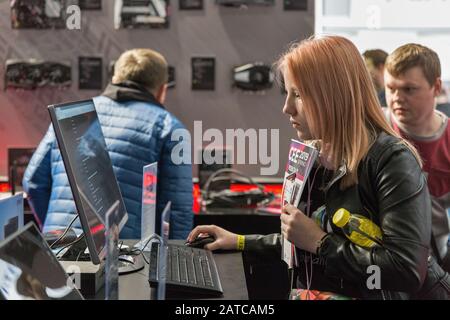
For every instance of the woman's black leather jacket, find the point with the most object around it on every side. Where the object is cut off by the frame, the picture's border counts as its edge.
(393, 193)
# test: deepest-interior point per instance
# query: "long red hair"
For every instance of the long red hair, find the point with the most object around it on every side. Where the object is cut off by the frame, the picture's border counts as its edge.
(339, 99)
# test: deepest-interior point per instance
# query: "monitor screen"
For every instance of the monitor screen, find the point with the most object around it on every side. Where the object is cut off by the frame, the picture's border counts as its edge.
(11, 215)
(30, 271)
(89, 169)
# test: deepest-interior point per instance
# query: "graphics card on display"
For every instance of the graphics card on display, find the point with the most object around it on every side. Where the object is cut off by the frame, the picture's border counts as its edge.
(31, 74)
(253, 77)
(38, 14)
(141, 14)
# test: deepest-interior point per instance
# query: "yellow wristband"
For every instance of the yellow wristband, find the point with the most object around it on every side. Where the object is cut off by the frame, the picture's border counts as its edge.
(240, 242)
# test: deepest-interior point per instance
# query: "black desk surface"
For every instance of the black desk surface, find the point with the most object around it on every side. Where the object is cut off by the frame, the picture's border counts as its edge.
(135, 286)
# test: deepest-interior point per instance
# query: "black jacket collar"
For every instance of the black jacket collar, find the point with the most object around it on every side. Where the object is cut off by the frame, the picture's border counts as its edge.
(130, 91)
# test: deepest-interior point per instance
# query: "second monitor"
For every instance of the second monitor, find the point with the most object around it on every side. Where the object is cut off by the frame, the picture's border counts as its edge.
(89, 169)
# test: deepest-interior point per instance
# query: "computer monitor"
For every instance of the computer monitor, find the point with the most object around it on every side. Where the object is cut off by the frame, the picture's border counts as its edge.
(89, 169)
(11, 215)
(30, 271)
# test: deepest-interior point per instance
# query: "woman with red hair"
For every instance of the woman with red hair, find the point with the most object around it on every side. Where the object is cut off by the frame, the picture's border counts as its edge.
(364, 167)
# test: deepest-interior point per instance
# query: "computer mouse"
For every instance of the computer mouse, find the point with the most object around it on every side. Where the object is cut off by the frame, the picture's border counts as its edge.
(200, 242)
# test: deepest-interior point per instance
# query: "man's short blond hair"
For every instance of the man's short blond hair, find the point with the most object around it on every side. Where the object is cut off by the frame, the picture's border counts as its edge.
(414, 55)
(144, 66)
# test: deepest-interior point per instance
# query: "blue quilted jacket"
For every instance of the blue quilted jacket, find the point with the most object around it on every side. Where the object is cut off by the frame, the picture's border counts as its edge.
(136, 133)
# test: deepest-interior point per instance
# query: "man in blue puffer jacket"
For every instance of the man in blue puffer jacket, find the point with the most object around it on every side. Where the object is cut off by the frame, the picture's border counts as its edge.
(137, 131)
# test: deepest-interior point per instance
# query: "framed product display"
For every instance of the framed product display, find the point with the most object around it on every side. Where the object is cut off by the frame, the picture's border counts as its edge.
(299, 5)
(31, 74)
(141, 14)
(190, 4)
(38, 14)
(90, 4)
(253, 77)
(90, 73)
(203, 73)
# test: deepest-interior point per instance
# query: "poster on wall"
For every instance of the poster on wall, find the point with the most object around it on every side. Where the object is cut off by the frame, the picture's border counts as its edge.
(90, 70)
(203, 73)
(38, 14)
(90, 4)
(190, 4)
(141, 14)
(298, 5)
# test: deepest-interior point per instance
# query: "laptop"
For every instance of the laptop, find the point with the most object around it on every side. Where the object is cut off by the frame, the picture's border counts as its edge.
(30, 271)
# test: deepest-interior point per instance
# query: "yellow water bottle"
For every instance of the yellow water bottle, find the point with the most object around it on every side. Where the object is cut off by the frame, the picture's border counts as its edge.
(360, 230)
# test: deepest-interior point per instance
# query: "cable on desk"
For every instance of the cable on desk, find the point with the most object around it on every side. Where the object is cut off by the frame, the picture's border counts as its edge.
(65, 232)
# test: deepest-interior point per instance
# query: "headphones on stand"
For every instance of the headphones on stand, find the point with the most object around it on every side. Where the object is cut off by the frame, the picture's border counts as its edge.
(234, 199)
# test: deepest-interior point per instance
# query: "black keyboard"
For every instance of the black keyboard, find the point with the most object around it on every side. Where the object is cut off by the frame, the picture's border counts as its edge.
(189, 271)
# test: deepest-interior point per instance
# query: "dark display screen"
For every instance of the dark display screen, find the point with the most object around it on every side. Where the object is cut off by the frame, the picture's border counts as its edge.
(191, 4)
(203, 73)
(30, 271)
(90, 70)
(89, 168)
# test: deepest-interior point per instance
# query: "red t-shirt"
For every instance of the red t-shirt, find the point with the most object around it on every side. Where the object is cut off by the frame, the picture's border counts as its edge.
(435, 153)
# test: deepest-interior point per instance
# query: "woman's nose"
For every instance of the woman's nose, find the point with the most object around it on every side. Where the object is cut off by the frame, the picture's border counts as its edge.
(287, 109)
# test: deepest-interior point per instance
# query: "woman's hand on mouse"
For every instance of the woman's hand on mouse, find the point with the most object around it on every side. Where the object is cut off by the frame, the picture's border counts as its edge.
(224, 239)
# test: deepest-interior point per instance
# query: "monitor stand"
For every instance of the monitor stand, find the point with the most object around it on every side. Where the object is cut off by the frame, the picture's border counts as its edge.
(130, 263)
(90, 277)
(127, 263)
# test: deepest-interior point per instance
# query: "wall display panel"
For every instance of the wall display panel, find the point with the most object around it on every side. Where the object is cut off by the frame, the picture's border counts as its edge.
(253, 77)
(141, 14)
(203, 73)
(90, 4)
(300, 5)
(31, 74)
(38, 14)
(90, 73)
(190, 4)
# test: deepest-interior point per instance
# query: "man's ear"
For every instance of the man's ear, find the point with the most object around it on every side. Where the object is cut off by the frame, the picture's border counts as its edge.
(437, 87)
(161, 94)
